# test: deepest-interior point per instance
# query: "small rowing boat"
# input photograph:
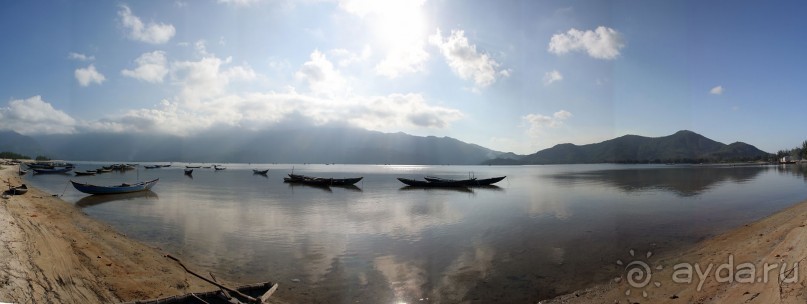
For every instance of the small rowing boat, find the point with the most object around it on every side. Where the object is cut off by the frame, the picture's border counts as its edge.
(261, 172)
(18, 190)
(296, 178)
(122, 188)
(85, 173)
(434, 184)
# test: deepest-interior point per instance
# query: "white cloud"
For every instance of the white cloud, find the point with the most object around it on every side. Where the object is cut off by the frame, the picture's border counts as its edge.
(88, 76)
(346, 58)
(321, 77)
(35, 116)
(239, 2)
(538, 122)
(602, 43)
(151, 67)
(154, 33)
(465, 60)
(552, 76)
(718, 90)
(80, 57)
(206, 79)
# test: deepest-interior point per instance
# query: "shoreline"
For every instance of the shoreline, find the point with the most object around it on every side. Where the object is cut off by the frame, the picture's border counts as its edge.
(764, 261)
(50, 251)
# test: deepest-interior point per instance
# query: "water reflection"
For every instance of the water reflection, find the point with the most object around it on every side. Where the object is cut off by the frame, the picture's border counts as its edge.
(93, 200)
(683, 181)
(547, 230)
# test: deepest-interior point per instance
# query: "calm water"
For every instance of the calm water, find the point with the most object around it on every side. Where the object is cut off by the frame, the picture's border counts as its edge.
(546, 230)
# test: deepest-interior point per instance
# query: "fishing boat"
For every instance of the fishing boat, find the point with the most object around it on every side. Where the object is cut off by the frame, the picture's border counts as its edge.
(102, 170)
(296, 178)
(152, 167)
(122, 188)
(468, 182)
(18, 190)
(193, 167)
(52, 170)
(188, 171)
(434, 184)
(261, 172)
(85, 173)
(219, 168)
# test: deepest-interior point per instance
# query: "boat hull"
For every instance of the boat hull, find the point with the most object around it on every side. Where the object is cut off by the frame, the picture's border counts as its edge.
(296, 178)
(123, 188)
(428, 184)
(469, 182)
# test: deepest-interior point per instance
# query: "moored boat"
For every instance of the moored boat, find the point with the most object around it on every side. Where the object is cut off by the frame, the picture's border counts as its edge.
(122, 188)
(188, 171)
(261, 172)
(53, 170)
(434, 184)
(152, 167)
(468, 182)
(85, 173)
(296, 178)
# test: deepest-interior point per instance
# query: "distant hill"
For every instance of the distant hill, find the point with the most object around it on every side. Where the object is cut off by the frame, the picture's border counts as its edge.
(304, 145)
(681, 147)
(11, 141)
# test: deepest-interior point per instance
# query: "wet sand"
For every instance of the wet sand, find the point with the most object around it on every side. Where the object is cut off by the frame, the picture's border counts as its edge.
(779, 241)
(51, 252)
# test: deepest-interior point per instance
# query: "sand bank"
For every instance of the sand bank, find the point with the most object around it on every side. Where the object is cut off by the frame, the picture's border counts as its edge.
(51, 252)
(738, 262)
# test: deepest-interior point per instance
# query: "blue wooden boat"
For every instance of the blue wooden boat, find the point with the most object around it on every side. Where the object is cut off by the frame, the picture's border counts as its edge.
(52, 170)
(122, 188)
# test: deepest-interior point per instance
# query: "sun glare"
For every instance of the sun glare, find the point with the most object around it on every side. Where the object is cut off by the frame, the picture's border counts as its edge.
(399, 23)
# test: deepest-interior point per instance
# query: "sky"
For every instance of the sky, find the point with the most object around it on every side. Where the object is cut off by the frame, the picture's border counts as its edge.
(513, 76)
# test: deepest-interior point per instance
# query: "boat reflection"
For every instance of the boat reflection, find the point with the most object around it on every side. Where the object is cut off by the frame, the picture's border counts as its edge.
(322, 187)
(455, 189)
(93, 200)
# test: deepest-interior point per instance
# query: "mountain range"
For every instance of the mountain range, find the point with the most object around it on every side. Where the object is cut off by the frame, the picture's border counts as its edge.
(682, 147)
(358, 146)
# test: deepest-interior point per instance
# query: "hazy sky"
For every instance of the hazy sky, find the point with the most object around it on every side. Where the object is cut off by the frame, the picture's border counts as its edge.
(509, 75)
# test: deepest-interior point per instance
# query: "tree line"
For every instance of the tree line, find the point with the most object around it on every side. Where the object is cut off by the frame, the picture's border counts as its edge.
(12, 155)
(796, 153)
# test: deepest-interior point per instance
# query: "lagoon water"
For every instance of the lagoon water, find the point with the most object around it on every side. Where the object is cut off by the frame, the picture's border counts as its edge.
(544, 231)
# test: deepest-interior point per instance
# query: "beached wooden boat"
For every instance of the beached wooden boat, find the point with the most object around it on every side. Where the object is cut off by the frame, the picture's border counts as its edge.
(52, 170)
(261, 172)
(296, 178)
(18, 190)
(437, 184)
(261, 292)
(122, 188)
(468, 182)
(85, 173)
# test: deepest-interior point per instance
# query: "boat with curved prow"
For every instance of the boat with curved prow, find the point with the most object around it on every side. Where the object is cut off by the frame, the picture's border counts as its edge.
(122, 188)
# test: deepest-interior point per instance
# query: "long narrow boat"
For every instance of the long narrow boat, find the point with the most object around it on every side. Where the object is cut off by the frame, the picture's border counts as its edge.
(468, 182)
(193, 167)
(296, 178)
(436, 184)
(261, 172)
(52, 170)
(85, 173)
(122, 188)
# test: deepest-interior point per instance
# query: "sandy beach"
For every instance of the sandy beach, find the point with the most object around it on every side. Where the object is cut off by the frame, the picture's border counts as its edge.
(51, 252)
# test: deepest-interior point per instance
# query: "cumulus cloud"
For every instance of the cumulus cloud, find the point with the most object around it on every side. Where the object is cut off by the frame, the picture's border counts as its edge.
(88, 76)
(154, 33)
(465, 60)
(207, 78)
(35, 116)
(552, 76)
(537, 122)
(80, 57)
(718, 90)
(602, 43)
(151, 67)
(321, 76)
